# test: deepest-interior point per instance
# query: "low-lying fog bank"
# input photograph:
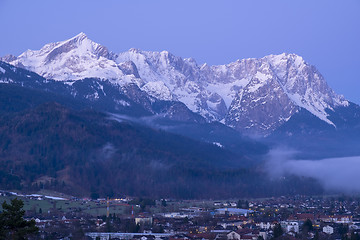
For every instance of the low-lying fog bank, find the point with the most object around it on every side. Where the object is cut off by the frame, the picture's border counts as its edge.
(335, 174)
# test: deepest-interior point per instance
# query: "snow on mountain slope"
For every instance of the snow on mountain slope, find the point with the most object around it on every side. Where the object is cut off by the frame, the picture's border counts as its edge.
(73, 59)
(180, 76)
(250, 94)
(158, 90)
(304, 85)
(249, 82)
(270, 88)
(261, 105)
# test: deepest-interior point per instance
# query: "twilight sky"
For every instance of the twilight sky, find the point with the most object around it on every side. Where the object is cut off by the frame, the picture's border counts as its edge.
(325, 32)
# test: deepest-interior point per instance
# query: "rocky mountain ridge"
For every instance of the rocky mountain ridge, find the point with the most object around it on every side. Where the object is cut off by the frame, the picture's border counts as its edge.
(249, 95)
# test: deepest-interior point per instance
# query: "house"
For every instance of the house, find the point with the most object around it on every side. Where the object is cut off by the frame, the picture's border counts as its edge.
(263, 234)
(263, 225)
(328, 229)
(342, 219)
(231, 224)
(233, 236)
(204, 236)
(231, 228)
(325, 218)
(176, 215)
(290, 226)
(143, 220)
(302, 217)
(233, 211)
(249, 237)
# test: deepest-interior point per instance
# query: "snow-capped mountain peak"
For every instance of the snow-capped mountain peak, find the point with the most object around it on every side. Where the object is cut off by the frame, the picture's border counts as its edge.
(248, 94)
(72, 59)
(304, 85)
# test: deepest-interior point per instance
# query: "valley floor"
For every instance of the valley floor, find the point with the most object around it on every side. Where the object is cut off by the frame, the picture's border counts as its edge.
(300, 217)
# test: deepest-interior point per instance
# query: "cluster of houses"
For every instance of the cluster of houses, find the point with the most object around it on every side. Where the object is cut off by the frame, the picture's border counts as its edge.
(324, 218)
(256, 223)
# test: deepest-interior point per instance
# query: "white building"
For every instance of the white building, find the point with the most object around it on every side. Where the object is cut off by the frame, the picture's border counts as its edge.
(233, 224)
(233, 236)
(290, 226)
(263, 234)
(234, 211)
(328, 229)
(143, 220)
(342, 219)
(175, 215)
(264, 225)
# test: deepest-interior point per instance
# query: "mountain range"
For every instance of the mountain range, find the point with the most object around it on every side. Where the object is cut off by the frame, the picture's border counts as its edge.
(238, 110)
(251, 95)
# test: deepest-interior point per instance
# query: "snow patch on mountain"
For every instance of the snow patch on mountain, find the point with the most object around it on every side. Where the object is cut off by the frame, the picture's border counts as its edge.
(158, 90)
(227, 91)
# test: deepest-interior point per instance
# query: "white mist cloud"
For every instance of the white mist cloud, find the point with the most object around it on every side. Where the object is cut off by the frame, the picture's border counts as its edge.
(335, 174)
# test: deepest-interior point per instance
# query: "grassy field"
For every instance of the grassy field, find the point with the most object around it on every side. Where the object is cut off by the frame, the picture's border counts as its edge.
(96, 208)
(65, 206)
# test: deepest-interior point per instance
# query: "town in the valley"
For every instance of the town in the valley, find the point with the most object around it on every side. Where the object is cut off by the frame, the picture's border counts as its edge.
(295, 217)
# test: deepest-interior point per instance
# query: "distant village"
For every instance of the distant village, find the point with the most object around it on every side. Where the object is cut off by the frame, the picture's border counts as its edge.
(299, 217)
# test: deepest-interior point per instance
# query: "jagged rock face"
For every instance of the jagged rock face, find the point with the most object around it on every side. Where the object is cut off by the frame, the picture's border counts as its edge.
(8, 58)
(129, 68)
(250, 95)
(281, 85)
(260, 107)
(224, 92)
(305, 86)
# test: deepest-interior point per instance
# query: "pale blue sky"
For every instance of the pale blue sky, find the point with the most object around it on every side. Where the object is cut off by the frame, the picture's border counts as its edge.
(325, 32)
